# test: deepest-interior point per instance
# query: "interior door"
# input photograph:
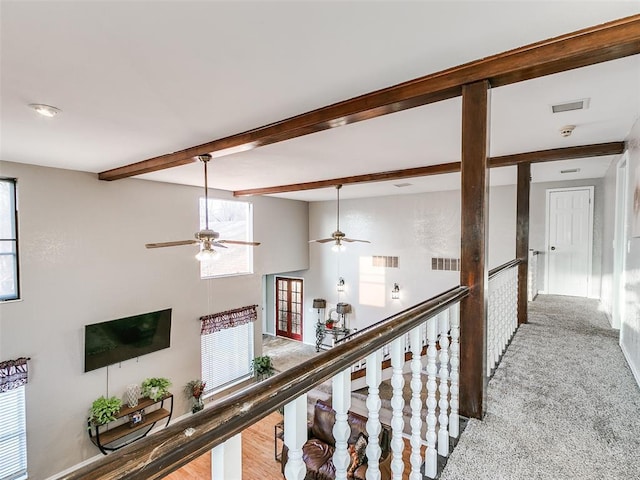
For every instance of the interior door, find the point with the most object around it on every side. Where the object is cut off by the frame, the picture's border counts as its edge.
(289, 307)
(569, 237)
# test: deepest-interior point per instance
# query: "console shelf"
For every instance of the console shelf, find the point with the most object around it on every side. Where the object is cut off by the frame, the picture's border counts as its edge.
(119, 433)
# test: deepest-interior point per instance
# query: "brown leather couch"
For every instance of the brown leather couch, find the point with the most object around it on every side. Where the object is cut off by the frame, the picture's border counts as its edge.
(317, 452)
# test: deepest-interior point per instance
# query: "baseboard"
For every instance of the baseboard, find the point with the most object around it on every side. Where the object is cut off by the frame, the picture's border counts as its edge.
(633, 368)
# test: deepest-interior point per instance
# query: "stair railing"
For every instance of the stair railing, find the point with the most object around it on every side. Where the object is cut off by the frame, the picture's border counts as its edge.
(182, 442)
(502, 314)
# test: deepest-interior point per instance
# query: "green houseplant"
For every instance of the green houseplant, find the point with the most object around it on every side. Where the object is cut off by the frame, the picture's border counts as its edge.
(103, 410)
(262, 367)
(156, 387)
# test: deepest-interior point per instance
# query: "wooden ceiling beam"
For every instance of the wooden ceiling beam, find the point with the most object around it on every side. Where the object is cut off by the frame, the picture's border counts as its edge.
(601, 43)
(554, 154)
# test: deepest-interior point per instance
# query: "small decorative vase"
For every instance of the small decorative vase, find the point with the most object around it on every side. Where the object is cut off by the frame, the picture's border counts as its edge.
(197, 405)
(132, 395)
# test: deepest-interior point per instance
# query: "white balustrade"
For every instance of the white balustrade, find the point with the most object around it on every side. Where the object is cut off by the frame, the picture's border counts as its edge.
(374, 377)
(502, 317)
(295, 435)
(341, 430)
(415, 458)
(442, 402)
(397, 406)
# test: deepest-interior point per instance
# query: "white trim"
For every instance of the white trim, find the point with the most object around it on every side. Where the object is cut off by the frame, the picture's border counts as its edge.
(548, 192)
(620, 223)
(634, 370)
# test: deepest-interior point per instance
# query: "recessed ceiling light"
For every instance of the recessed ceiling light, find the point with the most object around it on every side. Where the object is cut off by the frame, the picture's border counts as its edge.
(45, 110)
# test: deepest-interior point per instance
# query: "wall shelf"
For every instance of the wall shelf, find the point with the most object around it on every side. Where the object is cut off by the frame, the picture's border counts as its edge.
(119, 433)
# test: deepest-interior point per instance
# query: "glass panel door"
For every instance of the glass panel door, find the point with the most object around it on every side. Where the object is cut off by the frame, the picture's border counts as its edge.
(289, 307)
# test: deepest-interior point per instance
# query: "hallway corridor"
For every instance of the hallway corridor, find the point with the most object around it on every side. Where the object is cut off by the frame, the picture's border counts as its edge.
(563, 404)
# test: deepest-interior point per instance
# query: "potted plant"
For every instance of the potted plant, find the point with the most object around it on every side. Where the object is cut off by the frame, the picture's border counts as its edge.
(194, 389)
(103, 410)
(155, 388)
(262, 367)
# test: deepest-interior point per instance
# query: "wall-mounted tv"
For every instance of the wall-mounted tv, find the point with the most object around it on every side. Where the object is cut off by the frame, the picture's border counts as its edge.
(114, 341)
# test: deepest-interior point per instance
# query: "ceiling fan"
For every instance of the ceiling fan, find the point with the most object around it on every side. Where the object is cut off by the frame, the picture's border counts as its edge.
(207, 238)
(338, 237)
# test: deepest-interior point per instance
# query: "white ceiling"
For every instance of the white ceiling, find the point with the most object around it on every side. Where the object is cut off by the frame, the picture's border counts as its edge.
(140, 79)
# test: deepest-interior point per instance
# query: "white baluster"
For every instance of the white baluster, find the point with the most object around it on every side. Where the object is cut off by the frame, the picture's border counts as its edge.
(226, 459)
(431, 460)
(397, 405)
(416, 404)
(490, 327)
(443, 431)
(454, 420)
(374, 377)
(341, 403)
(295, 435)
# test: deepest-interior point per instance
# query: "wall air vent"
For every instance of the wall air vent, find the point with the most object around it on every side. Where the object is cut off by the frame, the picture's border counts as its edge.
(384, 261)
(581, 104)
(445, 264)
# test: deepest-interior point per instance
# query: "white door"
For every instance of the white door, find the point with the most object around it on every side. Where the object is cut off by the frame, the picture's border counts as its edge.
(569, 235)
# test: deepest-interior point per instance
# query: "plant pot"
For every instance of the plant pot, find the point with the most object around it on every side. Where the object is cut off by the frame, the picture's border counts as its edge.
(198, 405)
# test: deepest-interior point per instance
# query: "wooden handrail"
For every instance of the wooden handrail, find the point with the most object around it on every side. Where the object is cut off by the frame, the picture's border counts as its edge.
(158, 455)
(494, 272)
(371, 327)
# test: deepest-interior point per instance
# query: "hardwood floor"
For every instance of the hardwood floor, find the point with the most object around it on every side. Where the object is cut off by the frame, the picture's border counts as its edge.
(258, 461)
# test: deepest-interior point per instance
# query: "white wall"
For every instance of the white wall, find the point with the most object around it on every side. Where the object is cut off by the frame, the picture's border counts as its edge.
(83, 261)
(537, 212)
(413, 227)
(630, 329)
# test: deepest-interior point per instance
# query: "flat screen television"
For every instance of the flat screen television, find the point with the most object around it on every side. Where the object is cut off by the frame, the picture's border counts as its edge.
(114, 341)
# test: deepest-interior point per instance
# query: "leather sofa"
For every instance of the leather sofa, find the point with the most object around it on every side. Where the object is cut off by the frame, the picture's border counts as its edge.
(317, 452)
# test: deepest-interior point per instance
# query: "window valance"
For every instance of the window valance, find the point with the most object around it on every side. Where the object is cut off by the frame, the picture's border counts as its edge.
(229, 319)
(13, 374)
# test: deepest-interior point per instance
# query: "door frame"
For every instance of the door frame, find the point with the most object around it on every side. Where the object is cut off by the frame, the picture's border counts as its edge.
(620, 232)
(547, 222)
(275, 305)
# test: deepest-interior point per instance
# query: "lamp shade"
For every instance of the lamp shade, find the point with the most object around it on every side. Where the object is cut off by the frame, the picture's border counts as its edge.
(319, 303)
(343, 308)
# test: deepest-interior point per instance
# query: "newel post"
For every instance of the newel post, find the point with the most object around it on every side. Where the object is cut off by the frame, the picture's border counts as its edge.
(473, 254)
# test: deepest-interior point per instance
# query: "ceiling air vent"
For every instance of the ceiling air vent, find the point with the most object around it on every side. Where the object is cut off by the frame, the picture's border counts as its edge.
(570, 170)
(569, 106)
(402, 185)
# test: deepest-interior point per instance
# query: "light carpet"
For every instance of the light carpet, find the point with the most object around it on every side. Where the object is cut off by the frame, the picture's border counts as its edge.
(563, 403)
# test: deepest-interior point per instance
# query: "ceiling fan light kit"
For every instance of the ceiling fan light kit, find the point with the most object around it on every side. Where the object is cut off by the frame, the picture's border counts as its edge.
(338, 237)
(206, 238)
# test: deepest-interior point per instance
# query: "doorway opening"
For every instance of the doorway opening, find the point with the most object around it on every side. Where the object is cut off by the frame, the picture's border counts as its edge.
(620, 243)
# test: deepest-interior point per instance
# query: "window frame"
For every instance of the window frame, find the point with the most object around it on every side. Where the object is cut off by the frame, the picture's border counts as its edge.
(249, 237)
(22, 473)
(14, 185)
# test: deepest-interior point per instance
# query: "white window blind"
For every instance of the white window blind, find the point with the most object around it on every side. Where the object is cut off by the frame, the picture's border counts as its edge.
(226, 356)
(13, 435)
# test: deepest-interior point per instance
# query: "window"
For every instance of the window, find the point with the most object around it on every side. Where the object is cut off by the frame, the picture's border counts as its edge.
(234, 221)
(13, 436)
(9, 289)
(226, 356)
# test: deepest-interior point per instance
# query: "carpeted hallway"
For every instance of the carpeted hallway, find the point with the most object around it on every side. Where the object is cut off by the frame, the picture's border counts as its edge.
(563, 403)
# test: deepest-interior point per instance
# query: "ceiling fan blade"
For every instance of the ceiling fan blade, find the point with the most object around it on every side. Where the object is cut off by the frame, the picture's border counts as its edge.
(218, 244)
(322, 240)
(171, 244)
(239, 242)
(355, 240)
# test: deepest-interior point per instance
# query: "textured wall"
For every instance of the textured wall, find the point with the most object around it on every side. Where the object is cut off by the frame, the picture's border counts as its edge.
(630, 329)
(83, 261)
